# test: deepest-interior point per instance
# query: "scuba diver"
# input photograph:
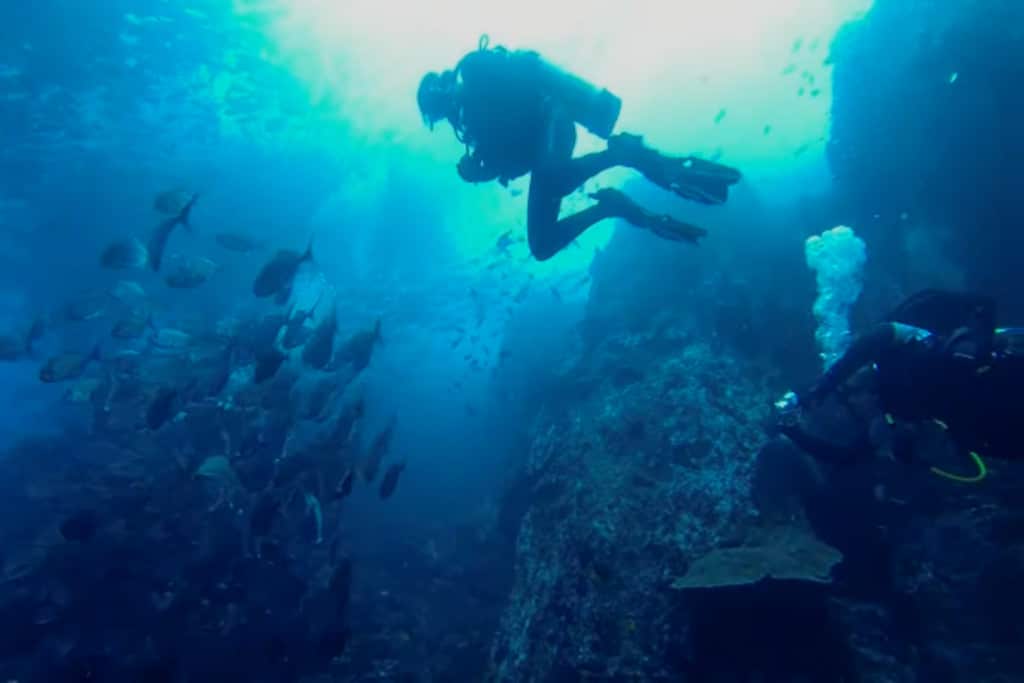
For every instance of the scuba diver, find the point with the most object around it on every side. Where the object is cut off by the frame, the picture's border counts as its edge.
(517, 114)
(938, 357)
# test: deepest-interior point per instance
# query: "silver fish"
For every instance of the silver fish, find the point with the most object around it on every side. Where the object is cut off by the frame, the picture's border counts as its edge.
(67, 366)
(278, 274)
(190, 272)
(320, 347)
(130, 253)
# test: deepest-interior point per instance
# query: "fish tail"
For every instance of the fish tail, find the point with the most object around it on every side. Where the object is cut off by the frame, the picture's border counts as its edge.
(185, 215)
(97, 352)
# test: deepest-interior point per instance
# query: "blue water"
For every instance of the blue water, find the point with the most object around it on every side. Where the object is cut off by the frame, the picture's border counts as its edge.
(577, 433)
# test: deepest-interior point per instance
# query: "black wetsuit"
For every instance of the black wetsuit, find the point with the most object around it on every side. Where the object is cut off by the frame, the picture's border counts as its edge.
(515, 114)
(501, 115)
(973, 388)
(513, 127)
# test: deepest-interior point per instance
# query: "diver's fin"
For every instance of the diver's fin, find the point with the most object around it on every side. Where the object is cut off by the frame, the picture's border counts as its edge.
(669, 228)
(698, 180)
(695, 179)
(711, 170)
(619, 205)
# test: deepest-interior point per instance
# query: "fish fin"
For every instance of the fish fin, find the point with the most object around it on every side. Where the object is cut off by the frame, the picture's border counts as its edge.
(308, 254)
(97, 352)
(319, 298)
(377, 336)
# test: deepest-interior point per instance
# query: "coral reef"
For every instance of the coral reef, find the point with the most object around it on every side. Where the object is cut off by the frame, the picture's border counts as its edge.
(788, 553)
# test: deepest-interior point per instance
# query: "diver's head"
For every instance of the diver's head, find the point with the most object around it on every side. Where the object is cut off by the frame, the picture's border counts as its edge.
(436, 97)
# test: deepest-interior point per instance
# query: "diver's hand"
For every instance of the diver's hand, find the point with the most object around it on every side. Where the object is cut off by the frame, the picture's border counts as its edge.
(786, 413)
(472, 170)
(788, 402)
(466, 168)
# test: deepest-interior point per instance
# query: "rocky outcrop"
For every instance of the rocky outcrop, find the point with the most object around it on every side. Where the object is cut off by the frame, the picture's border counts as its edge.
(926, 138)
(664, 538)
(641, 478)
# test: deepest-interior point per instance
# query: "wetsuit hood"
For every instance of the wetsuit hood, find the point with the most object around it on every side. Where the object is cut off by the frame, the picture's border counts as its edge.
(435, 96)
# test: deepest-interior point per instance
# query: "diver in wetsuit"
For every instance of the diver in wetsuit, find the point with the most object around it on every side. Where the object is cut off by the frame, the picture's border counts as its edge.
(517, 114)
(937, 357)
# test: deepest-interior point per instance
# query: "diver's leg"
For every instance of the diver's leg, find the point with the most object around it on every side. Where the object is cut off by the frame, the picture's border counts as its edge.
(696, 179)
(558, 174)
(545, 233)
(557, 170)
(565, 176)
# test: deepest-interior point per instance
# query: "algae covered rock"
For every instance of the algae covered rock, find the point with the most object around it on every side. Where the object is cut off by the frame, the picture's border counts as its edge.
(783, 553)
(633, 476)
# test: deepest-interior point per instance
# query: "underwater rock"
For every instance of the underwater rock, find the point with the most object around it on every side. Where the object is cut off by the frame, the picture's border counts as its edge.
(612, 517)
(909, 139)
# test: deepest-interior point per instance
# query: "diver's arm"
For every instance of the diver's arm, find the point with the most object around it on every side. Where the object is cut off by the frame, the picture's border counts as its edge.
(822, 449)
(866, 349)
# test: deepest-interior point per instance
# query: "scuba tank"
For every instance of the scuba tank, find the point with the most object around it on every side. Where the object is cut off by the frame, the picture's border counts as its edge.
(596, 109)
